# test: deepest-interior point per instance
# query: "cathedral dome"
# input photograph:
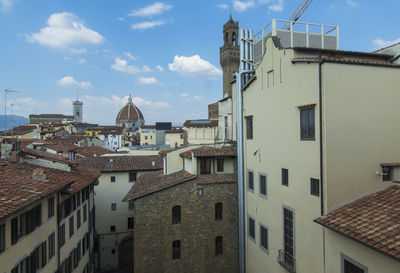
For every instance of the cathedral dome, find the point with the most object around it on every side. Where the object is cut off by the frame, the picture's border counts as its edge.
(130, 116)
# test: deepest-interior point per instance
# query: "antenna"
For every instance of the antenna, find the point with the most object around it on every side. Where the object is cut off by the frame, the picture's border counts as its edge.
(6, 91)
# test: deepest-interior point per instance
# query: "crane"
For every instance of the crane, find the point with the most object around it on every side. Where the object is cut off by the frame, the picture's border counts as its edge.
(300, 10)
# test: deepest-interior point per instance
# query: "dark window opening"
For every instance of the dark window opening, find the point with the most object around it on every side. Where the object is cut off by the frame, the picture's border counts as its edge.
(218, 211)
(252, 228)
(250, 180)
(220, 165)
(307, 123)
(205, 166)
(314, 187)
(349, 267)
(264, 237)
(386, 173)
(176, 250)
(112, 229)
(263, 185)
(176, 215)
(219, 246)
(132, 177)
(112, 178)
(285, 177)
(130, 222)
(288, 237)
(249, 127)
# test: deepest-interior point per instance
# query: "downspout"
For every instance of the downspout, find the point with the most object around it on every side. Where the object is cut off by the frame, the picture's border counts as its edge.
(321, 169)
(58, 233)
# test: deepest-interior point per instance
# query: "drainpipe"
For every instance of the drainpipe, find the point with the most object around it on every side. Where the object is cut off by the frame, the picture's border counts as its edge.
(321, 169)
(58, 233)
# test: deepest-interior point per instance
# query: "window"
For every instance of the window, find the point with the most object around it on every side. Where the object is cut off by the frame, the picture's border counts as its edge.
(113, 251)
(249, 127)
(52, 245)
(113, 206)
(112, 178)
(205, 166)
(285, 177)
(250, 181)
(263, 185)
(132, 177)
(112, 228)
(61, 235)
(25, 223)
(314, 187)
(219, 245)
(218, 211)
(50, 207)
(78, 250)
(176, 250)
(131, 204)
(78, 198)
(200, 191)
(130, 222)
(2, 237)
(78, 219)
(386, 173)
(176, 215)
(71, 226)
(84, 213)
(252, 229)
(288, 236)
(264, 238)
(220, 165)
(307, 123)
(181, 136)
(349, 265)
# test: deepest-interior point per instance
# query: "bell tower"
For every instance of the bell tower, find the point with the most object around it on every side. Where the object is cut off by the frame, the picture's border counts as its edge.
(229, 54)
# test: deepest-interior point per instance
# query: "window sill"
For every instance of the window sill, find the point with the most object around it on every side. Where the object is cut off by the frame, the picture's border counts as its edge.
(307, 139)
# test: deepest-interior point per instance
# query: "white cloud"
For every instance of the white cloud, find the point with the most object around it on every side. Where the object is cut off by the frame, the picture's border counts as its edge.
(223, 6)
(7, 4)
(70, 81)
(241, 6)
(77, 50)
(193, 66)
(278, 6)
(130, 56)
(82, 61)
(151, 10)
(187, 97)
(67, 58)
(150, 80)
(122, 19)
(160, 68)
(184, 95)
(148, 24)
(379, 42)
(351, 3)
(122, 65)
(64, 30)
(262, 2)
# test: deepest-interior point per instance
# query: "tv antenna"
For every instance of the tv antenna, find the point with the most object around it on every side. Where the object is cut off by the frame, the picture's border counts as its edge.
(6, 91)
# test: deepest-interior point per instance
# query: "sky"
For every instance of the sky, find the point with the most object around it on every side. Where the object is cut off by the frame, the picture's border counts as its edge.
(165, 54)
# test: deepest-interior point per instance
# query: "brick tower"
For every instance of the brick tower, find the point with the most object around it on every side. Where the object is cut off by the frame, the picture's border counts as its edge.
(229, 54)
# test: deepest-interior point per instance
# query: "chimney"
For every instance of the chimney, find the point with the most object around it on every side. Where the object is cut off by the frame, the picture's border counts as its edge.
(39, 174)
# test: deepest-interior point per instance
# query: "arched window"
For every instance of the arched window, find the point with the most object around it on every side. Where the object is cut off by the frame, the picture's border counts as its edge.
(176, 215)
(218, 211)
(219, 245)
(234, 39)
(226, 37)
(176, 250)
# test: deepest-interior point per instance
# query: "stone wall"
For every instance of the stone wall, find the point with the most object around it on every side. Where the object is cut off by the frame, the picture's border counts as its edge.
(154, 232)
(213, 111)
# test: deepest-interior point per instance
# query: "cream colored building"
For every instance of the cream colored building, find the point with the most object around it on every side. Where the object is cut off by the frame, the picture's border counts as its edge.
(147, 135)
(38, 201)
(201, 131)
(318, 123)
(175, 138)
(114, 218)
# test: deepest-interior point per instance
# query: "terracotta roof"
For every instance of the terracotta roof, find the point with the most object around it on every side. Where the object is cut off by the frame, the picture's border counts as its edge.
(90, 151)
(354, 61)
(148, 127)
(123, 163)
(19, 188)
(156, 181)
(27, 153)
(201, 123)
(373, 221)
(129, 113)
(178, 131)
(152, 182)
(206, 151)
(59, 148)
(20, 130)
(168, 150)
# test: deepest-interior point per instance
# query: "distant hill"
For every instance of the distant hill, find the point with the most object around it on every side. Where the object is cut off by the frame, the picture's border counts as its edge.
(12, 121)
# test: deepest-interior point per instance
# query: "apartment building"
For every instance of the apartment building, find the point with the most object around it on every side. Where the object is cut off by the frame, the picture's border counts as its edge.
(186, 220)
(319, 124)
(147, 135)
(46, 215)
(114, 218)
(201, 131)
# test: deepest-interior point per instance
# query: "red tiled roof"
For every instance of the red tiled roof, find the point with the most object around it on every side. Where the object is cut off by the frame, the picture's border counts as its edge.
(152, 182)
(129, 113)
(206, 151)
(373, 221)
(20, 130)
(168, 150)
(90, 151)
(156, 181)
(201, 123)
(18, 187)
(178, 131)
(26, 152)
(123, 163)
(148, 127)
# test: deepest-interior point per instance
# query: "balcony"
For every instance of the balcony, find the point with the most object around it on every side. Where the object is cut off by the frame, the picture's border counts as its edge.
(287, 261)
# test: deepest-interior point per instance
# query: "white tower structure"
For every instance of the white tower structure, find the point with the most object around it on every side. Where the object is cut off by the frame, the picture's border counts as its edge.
(77, 107)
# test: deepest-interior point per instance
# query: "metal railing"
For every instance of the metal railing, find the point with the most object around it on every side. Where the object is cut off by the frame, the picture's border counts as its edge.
(293, 34)
(287, 261)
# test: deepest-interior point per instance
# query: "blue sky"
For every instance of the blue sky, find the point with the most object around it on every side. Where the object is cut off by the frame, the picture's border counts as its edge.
(166, 54)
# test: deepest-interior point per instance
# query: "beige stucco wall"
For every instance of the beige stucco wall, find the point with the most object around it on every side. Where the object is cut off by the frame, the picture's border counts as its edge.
(151, 137)
(173, 162)
(225, 111)
(174, 139)
(362, 116)
(201, 135)
(337, 244)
